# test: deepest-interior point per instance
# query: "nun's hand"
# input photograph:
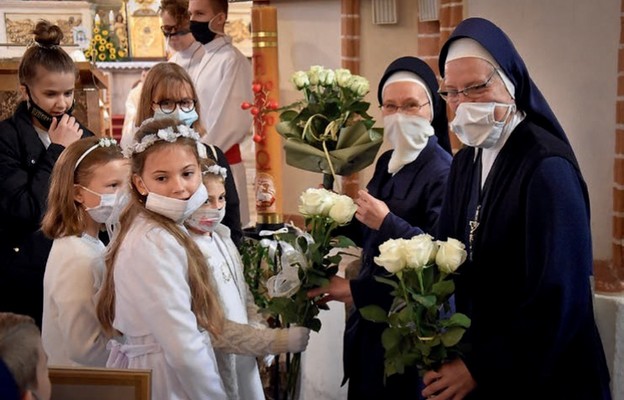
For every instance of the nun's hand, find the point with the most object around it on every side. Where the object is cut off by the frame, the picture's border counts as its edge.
(371, 211)
(452, 381)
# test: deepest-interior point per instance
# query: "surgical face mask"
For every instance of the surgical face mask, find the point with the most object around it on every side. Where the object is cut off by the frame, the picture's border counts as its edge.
(475, 125)
(202, 32)
(102, 212)
(175, 209)
(188, 118)
(40, 114)
(408, 135)
(206, 218)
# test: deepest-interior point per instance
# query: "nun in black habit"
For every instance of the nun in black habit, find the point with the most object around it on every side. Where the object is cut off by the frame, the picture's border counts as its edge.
(403, 198)
(517, 199)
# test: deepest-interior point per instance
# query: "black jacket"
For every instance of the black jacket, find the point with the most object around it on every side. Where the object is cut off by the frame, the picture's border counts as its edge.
(25, 169)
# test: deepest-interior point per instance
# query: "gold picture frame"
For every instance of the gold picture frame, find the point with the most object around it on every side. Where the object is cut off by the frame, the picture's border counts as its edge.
(146, 40)
(77, 383)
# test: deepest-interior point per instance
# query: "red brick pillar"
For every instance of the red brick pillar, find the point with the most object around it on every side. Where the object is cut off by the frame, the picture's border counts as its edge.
(350, 59)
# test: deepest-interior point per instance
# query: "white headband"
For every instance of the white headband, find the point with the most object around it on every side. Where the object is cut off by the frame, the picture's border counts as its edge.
(468, 47)
(407, 76)
(103, 142)
(216, 170)
(168, 135)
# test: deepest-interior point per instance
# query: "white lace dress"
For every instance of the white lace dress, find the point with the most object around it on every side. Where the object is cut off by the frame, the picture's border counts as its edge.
(244, 335)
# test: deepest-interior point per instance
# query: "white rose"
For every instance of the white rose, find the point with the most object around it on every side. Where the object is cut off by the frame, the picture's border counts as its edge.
(420, 251)
(342, 210)
(327, 77)
(300, 79)
(315, 202)
(359, 85)
(451, 254)
(391, 255)
(313, 74)
(343, 77)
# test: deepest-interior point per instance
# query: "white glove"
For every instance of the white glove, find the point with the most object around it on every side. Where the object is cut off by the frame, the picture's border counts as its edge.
(298, 338)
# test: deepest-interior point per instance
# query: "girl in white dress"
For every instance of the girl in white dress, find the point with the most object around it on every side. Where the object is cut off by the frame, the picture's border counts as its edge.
(85, 181)
(245, 335)
(157, 290)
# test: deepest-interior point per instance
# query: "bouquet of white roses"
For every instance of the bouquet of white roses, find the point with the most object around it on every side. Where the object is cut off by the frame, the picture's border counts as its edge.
(329, 130)
(421, 330)
(299, 261)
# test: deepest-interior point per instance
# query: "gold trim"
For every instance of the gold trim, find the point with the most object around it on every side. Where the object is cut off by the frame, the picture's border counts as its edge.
(271, 218)
(264, 44)
(263, 34)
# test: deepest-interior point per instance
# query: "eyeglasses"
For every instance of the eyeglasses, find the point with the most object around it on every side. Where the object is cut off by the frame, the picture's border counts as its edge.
(471, 92)
(407, 108)
(171, 30)
(168, 106)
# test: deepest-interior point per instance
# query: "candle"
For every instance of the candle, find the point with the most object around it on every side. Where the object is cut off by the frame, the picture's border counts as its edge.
(97, 19)
(268, 184)
(111, 18)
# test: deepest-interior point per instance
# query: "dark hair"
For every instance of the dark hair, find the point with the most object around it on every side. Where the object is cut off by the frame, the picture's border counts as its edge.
(45, 52)
(178, 10)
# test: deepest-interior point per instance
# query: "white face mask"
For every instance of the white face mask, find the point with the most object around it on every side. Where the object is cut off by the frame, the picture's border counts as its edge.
(102, 212)
(408, 135)
(475, 125)
(175, 209)
(206, 218)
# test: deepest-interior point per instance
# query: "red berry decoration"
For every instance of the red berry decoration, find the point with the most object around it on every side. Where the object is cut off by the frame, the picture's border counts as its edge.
(257, 138)
(256, 87)
(272, 105)
(254, 111)
(245, 105)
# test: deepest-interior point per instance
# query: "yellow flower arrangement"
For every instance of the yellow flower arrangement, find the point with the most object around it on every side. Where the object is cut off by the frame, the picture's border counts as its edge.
(105, 45)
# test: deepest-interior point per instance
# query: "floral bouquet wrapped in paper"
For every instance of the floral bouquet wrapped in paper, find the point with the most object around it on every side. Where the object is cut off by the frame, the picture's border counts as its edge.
(299, 261)
(329, 130)
(422, 329)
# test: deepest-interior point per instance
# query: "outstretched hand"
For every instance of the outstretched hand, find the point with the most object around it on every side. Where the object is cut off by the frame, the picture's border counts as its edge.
(371, 211)
(338, 289)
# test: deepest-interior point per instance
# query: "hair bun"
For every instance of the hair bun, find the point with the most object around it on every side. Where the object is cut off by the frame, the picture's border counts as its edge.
(47, 34)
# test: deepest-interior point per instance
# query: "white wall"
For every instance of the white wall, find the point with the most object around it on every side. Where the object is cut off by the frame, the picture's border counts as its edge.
(570, 48)
(308, 34)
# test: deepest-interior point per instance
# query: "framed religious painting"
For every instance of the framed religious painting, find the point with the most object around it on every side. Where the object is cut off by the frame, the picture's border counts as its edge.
(145, 38)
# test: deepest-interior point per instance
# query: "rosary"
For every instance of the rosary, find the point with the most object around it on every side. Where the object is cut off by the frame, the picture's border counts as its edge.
(473, 224)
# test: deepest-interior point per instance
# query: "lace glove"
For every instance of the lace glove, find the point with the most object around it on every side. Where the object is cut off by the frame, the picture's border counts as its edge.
(291, 340)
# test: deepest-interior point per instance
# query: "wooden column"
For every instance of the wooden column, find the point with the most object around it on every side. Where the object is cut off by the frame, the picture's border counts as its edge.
(268, 183)
(350, 59)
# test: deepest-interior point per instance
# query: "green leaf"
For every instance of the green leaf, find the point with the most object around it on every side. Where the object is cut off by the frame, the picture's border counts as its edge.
(343, 241)
(456, 320)
(443, 289)
(374, 313)
(387, 281)
(390, 338)
(314, 324)
(452, 336)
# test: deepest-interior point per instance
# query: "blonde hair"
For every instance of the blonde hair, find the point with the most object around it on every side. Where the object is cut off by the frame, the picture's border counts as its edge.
(65, 216)
(164, 81)
(20, 341)
(204, 302)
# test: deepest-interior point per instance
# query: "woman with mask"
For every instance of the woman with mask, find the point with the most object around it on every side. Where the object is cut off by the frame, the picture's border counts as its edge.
(403, 198)
(168, 92)
(31, 141)
(88, 182)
